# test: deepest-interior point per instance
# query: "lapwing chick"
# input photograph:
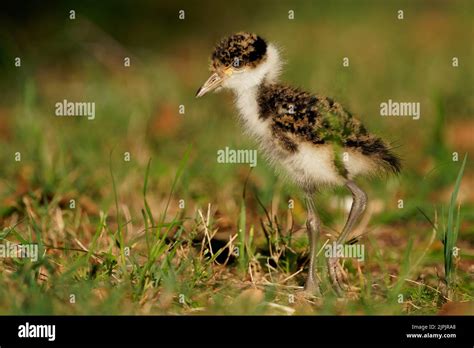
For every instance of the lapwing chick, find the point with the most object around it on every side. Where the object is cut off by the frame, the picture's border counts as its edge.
(315, 141)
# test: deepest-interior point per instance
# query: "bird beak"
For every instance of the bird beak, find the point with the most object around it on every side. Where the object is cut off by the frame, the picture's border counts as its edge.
(212, 83)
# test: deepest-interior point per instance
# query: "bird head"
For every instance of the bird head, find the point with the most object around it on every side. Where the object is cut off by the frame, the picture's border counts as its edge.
(239, 62)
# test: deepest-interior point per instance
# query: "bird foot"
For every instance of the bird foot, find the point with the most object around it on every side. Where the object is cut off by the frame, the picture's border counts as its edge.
(337, 275)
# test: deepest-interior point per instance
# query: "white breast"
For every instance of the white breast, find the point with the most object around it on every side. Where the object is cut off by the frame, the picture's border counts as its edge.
(310, 164)
(246, 101)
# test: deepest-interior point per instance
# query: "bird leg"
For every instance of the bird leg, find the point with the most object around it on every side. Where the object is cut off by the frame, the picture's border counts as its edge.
(359, 203)
(313, 225)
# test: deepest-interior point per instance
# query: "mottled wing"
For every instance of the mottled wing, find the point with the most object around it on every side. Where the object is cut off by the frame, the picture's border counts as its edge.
(300, 116)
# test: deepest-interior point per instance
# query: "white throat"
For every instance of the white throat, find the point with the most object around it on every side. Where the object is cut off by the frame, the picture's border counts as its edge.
(245, 86)
(265, 72)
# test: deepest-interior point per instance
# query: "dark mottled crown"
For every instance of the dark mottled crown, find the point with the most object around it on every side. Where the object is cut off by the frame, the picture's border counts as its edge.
(239, 50)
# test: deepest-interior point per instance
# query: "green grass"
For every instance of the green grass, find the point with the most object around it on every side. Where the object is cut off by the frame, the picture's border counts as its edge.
(130, 246)
(451, 230)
